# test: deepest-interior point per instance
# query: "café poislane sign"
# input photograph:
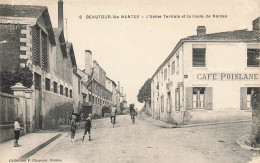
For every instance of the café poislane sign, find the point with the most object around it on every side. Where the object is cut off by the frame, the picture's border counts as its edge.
(227, 76)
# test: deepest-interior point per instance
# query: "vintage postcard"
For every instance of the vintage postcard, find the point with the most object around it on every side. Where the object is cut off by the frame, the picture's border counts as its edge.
(129, 81)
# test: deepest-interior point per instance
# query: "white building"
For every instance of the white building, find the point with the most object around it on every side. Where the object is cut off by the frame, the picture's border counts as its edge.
(208, 77)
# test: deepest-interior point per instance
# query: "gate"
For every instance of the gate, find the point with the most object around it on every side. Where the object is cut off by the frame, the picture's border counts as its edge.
(86, 110)
(38, 109)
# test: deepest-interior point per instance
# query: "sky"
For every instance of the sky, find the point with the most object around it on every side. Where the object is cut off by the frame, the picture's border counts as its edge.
(130, 50)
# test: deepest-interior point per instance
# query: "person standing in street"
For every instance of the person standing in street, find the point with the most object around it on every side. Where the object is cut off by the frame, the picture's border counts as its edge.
(113, 113)
(17, 129)
(73, 127)
(131, 108)
(88, 127)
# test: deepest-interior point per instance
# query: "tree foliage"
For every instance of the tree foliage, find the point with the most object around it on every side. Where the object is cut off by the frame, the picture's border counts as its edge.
(145, 92)
(24, 75)
(7, 80)
(255, 132)
(21, 75)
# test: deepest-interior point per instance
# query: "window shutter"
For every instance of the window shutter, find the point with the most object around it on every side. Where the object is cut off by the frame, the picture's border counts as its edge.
(36, 44)
(208, 98)
(243, 99)
(189, 98)
(199, 57)
(44, 50)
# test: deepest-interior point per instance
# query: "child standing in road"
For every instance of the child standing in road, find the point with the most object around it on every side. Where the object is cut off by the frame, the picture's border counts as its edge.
(73, 127)
(88, 127)
(17, 129)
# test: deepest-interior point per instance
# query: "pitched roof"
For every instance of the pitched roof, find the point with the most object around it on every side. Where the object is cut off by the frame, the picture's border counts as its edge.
(59, 35)
(237, 35)
(21, 11)
(70, 51)
(111, 81)
(29, 11)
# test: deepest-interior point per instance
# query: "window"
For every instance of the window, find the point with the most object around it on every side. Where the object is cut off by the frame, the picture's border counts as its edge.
(36, 43)
(177, 60)
(173, 67)
(198, 57)
(169, 70)
(44, 50)
(253, 57)
(61, 89)
(162, 77)
(177, 99)
(66, 92)
(55, 87)
(85, 98)
(47, 84)
(169, 102)
(79, 86)
(37, 80)
(250, 92)
(40, 47)
(165, 74)
(162, 103)
(70, 93)
(198, 97)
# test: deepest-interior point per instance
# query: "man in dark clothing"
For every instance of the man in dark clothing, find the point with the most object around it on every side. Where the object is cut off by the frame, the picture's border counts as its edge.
(131, 107)
(88, 127)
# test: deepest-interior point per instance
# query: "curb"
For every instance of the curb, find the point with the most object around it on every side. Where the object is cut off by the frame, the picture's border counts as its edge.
(36, 149)
(240, 141)
(208, 124)
(168, 125)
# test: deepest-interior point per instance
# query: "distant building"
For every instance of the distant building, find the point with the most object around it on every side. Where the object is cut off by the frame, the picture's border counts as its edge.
(208, 77)
(94, 89)
(111, 86)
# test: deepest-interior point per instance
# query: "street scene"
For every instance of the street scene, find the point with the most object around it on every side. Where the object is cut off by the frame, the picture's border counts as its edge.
(146, 142)
(130, 81)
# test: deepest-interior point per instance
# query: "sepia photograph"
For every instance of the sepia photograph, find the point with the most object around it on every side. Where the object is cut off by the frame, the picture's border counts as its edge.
(130, 81)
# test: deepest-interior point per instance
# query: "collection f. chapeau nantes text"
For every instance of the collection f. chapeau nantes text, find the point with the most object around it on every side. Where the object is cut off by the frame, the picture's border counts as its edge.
(185, 16)
(35, 160)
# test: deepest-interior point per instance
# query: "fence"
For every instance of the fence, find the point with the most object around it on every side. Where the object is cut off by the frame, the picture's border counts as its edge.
(10, 108)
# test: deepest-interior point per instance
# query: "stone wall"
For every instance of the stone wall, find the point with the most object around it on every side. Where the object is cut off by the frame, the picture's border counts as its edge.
(55, 109)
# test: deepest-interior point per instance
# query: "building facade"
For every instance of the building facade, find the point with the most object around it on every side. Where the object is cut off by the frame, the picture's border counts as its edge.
(111, 86)
(94, 86)
(30, 41)
(208, 78)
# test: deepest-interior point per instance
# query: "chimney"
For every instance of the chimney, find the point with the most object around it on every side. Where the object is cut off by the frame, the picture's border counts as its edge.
(60, 14)
(118, 86)
(88, 61)
(122, 91)
(256, 24)
(201, 30)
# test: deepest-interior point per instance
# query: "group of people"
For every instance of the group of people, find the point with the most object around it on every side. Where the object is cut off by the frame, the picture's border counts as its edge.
(113, 113)
(73, 127)
(73, 124)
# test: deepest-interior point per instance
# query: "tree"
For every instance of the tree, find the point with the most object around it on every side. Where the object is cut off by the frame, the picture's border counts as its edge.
(255, 136)
(24, 75)
(21, 75)
(144, 94)
(6, 81)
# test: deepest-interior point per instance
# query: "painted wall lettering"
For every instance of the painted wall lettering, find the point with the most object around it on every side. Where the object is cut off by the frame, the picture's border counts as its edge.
(227, 76)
